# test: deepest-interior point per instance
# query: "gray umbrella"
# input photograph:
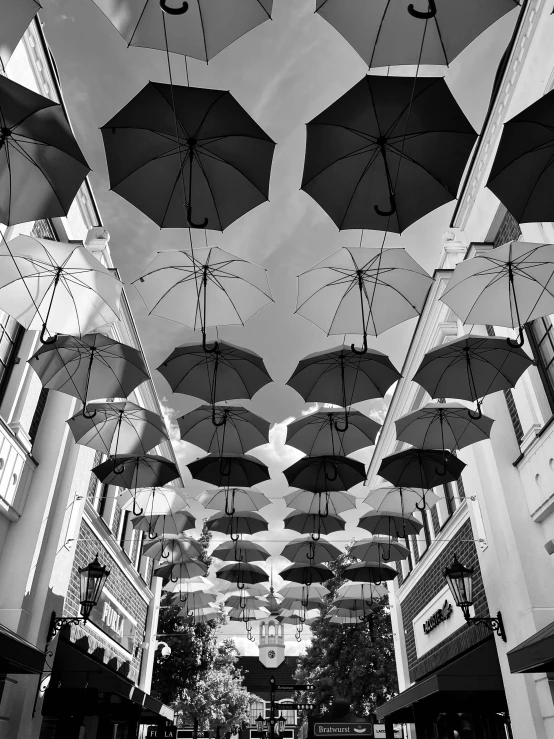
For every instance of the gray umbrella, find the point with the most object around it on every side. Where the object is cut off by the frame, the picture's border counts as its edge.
(230, 500)
(241, 551)
(241, 522)
(136, 471)
(224, 428)
(442, 426)
(305, 551)
(229, 470)
(390, 523)
(16, 17)
(320, 433)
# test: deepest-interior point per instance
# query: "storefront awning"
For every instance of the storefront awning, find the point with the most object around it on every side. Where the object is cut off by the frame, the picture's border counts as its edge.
(536, 654)
(472, 680)
(18, 656)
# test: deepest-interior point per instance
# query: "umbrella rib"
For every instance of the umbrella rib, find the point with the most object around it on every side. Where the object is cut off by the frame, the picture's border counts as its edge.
(536, 181)
(201, 167)
(24, 154)
(532, 150)
(211, 155)
(130, 42)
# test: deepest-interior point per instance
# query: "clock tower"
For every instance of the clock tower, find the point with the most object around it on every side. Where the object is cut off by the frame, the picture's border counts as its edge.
(272, 636)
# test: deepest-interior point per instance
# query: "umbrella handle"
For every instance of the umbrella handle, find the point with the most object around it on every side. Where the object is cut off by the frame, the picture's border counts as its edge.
(224, 470)
(392, 207)
(139, 512)
(214, 348)
(43, 339)
(88, 416)
(224, 417)
(174, 11)
(181, 599)
(190, 222)
(174, 581)
(235, 537)
(439, 474)
(422, 507)
(316, 537)
(519, 342)
(344, 428)
(331, 479)
(150, 536)
(230, 511)
(242, 601)
(431, 13)
(476, 415)
(118, 470)
(386, 559)
(363, 350)
(164, 556)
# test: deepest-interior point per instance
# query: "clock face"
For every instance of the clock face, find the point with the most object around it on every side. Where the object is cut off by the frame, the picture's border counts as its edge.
(271, 654)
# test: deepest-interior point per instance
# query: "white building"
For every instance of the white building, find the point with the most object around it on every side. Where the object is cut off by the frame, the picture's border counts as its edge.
(55, 517)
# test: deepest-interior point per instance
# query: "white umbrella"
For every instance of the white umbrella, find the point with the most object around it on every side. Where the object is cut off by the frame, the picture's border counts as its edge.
(400, 500)
(183, 586)
(231, 500)
(332, 503)
(155, 501)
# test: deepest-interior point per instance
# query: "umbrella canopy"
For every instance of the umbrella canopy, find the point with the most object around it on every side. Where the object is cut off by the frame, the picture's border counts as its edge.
(367, 592)
(93, 366)
(196, 601)
(376, 572)
(421, 468)
(55, 287)
(390, 523)
(136, 471)
(201, 615)
(173, 548)
(333, 503)
(507, 286)
(241, 522)
(181, 570)
(401, 500)
(385, 139)
(226, 373)
(379, 549)
(442, 426)
(181, 588)
(362, 291)
(16, 17)
(295, 605)
(224, 428)
(253, 589)
(41, 164)
(306, 574)
(342, 377)
(159, 501)
(311, 523)
(242, 574)
(198, 28)
(306, 551)
(247, 614)
(325, 473)
(235, 601)
(298, 592)
(392, 33)
(229, 470)
(471, 367)
(118, 428)
(204, 287)
(317, 433)
(167, 524)
(231, 500)
(188, 157)
(241, 551)
(522, 175)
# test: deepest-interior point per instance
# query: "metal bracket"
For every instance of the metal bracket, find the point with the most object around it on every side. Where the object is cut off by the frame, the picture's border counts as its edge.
(58, 622)
(493, 623)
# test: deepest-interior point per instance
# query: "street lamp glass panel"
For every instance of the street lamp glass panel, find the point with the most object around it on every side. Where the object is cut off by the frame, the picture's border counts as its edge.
(460, 582)
(282, 722)
(260, 722)
(92, 580)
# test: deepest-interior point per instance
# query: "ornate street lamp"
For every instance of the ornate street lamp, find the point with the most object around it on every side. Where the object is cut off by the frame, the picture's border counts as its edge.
(92, 579)
(281, 723)
(260, 723)
(460, 582)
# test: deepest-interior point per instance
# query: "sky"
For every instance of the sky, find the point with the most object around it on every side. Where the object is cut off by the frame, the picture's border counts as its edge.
(283, 73)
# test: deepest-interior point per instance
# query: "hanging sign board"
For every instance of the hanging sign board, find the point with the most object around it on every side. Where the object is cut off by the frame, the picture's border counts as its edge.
(339, 729)
(379, 731)
(111, 618)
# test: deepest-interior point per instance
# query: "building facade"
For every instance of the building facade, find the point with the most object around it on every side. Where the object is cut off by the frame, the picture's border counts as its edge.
(458, 679)
(94, 679)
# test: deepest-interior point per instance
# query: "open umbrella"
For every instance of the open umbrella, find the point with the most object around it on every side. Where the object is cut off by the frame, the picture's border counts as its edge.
(317, 433)
(522, 175)
(320, 504)
(507, 286)
(118, 428)
(231, 500)
(196, 601)
(204, 287)
(41, 164)
(306, 574)
(181, 588)
(382, 141)
(91, 367)
(225, 373)
(379, 549)
(343, 377)
(55, 287)
(376, 572)
(470, 367)
(421, 468)
(181, 570)
(442, 426)
(16, 17)
(361, 591)
(251, 590)
(229, 470)
(223, 428)
(395, 32)
(200, 615)
(362, 291)
(325, 473)
(173, 548)
(296, 605)
(196, 28)
(167, 524)
(306, 551)
(311, 523)
(298, 592)
(402, 500)
(390, 523)
(159, 501)
(241, 522)
(241, 551)
(188, 156)
(242, 574)
(235, 601)
(136, 471)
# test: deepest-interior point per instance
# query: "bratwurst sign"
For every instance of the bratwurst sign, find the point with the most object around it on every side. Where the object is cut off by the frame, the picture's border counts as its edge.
(343, 729)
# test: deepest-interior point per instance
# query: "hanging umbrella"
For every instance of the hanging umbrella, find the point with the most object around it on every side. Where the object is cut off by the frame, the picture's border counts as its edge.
(202, 615)
(188, 156)
(226, 373)
(181, 570)
(240, 551)
(196, 602)
(376, 572)
(198, 28)
(16, 18)
(342, 377)
(362, 291)
(231, 500)
(306, 551)
(471, 367)
(94, 366)
(204, 287)
(325, 473)
(224, 428)
(41, 164)
(118, 428)
(402, 500)
(421, 468)
(306, 574)
(393, 32)
(167, 524)
(295, 605)
(367, 592)
(241, 522)
(248, 591)
(320, 505)
(384, 140)
(317, 433)
(299, 591)
(522, 176)
(54, 287)
(390, 523)
(249, 614)
(181, 588)
(235, 601)
(136, 471)
(173, 548)
(229, 470)
(442, 426)
(310, 523)
(508, 286)
(242, 574)
(159, 501)
(379, 549)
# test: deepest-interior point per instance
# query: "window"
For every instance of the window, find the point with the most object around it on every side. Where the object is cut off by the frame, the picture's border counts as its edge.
(126, 534)
(541, 338)
(449, 498)
(37, 416)
(10, 337)
(288, 714)
(256, 709)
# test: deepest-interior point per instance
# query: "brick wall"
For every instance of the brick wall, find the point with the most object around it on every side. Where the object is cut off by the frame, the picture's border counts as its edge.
(509, 230)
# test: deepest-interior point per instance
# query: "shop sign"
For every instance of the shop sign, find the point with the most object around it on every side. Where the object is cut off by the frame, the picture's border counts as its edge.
(443, 614)
(111, 618)
(161, 732)
(379, 731)
(336, 729)
(436, 622)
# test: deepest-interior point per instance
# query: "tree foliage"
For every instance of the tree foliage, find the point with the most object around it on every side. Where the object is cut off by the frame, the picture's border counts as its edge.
(353, 663)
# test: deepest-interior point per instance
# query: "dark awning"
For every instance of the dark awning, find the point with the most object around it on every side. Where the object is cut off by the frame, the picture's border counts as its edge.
(473, 680)
(535, 654)
(18, 656)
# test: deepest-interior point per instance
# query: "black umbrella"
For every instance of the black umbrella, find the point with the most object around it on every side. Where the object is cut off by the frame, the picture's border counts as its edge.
(224, 373)
(314, 524)
(134, 471)
(242, 574)
(383, 141)
(188, 156)
(373, 572)
(325, 473)
(224, 428)
(317, 433)
(41, 164)
(16, 17)
(522, 175)
(390, 523)
(240, 522)
(421, 468)
(306, 574)
(229, 470)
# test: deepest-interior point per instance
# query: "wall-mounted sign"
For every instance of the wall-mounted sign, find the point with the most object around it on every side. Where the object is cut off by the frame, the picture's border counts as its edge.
(436, 622)
(440, 615)
(111, 618)
(337, 729)
(379, 731)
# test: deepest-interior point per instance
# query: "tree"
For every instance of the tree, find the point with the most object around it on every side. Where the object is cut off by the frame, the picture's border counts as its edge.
(353, 663)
